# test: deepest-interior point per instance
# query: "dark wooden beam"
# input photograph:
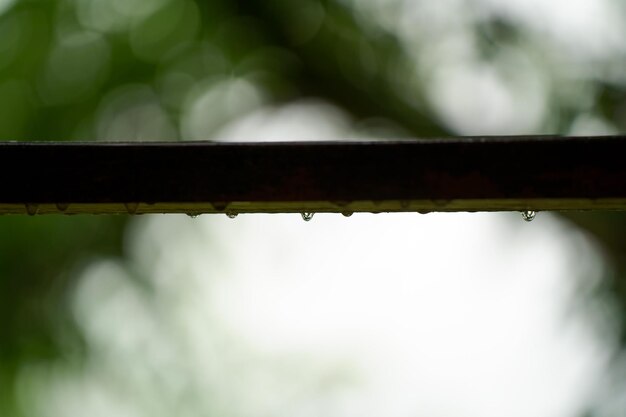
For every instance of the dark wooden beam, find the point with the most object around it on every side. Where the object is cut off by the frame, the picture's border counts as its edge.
(461, 174)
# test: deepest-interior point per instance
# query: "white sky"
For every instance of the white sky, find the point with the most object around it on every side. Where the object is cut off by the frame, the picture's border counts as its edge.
(392, 314)
(444, 315)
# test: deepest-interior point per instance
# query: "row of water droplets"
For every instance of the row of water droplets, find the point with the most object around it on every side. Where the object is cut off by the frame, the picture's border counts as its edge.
(32, 208)
(231, 215)
(527, 215)
(131, 208)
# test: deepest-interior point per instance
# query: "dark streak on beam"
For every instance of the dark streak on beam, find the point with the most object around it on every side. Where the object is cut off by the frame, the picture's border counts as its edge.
(462, 174)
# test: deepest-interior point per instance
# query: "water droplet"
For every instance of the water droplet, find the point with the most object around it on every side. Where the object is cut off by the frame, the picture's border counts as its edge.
(528, 215)
(347, 213)
(193, 215)
(31, 208)
(231, 215)
(62, 206)
(131, 208)
(307, 216)
(423, 211)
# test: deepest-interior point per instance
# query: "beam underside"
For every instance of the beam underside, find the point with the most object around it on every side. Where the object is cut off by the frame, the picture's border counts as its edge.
(461, 174)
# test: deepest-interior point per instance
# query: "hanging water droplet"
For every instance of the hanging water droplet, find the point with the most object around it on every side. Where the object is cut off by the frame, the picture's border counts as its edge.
(62, 206)
(231, 215)
(528, 215)
(31, 208)
(345, 214)
(193, 215)
(307, 216)
(131, 208)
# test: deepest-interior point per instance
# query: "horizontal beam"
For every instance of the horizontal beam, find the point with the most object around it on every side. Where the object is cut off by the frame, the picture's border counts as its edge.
(460, 174)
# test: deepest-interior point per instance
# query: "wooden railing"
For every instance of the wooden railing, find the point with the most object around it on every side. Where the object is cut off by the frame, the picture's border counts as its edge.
(458, 174)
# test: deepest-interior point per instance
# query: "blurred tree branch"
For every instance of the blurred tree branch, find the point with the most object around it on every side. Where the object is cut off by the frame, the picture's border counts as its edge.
(331, 67)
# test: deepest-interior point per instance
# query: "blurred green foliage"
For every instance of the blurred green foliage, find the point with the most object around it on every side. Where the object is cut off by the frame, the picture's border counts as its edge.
(38, 257)
(136, 70)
